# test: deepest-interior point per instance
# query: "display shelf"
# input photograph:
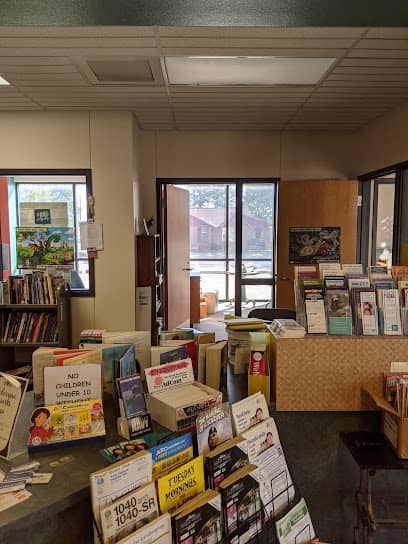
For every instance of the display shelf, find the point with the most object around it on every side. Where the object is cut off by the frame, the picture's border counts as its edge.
(16, 353)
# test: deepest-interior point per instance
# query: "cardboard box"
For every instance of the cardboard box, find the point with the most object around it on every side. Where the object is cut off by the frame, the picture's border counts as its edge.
(394, 427)
(174, 398)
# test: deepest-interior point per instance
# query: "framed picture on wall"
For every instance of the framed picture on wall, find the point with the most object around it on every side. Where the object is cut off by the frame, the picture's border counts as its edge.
(309, 245)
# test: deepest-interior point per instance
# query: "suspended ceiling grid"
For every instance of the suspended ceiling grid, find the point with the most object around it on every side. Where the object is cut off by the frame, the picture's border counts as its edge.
(48, 70)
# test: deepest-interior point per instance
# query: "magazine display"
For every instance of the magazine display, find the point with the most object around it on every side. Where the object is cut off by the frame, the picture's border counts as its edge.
(114, 481)
(214, 426)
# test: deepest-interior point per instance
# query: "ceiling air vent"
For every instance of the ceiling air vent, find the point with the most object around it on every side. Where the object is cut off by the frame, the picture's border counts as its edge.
(125, 71)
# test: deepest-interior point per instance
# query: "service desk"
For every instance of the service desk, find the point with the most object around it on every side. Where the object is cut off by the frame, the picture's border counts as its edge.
(327, 372)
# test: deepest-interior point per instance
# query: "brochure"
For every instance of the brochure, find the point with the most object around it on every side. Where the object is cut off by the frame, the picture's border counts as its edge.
(296, 527)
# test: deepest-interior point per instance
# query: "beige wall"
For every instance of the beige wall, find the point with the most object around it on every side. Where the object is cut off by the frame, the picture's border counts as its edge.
(102, 141)
(245, 154)
(381, 143)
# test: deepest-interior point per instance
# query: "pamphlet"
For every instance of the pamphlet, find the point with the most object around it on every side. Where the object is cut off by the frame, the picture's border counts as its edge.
(296, 527)
(214, 426)
(249, 411)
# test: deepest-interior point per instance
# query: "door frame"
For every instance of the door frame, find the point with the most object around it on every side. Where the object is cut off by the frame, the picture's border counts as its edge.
(239, 183)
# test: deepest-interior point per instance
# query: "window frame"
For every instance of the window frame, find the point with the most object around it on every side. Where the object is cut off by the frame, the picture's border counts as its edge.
(364, 210)
(87, 174)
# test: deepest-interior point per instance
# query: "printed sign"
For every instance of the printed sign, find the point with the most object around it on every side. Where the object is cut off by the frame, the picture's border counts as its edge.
(72, 383)
(169, 375)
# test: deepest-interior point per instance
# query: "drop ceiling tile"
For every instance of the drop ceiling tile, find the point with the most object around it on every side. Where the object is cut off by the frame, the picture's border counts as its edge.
(388, 33)
(264, 32)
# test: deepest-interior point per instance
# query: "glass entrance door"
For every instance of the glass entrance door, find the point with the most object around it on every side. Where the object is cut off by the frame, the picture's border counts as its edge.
(256, 217)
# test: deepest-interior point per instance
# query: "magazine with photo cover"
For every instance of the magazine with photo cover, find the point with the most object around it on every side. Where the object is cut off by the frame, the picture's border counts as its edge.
(214, 426)
(131, 396)
(123, 449)
(129, 513)
(224, 460)
(248, 412)
(242, 507)
(200, 520)
(338, 312)
(261, 437)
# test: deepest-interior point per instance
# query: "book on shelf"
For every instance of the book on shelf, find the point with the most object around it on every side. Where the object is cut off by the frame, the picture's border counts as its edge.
(241, 503)
(114, 481)
(183, 483)
(248, 412)
(338, 312)
(36, 287)
(224, 460)
(213, 426)
(391, 382)
(31, 327)
(330, 269)
(128, 513)
(200, 520)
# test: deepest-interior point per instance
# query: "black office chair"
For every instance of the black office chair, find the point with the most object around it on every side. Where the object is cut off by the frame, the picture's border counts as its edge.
(269, 314)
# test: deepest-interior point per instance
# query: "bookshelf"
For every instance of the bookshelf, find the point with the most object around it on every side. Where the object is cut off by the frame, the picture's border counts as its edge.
(150, 275)
(25, 327)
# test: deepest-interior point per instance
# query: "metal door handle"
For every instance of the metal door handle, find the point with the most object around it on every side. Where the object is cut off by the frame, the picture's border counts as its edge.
(283, 278)
(187, 269)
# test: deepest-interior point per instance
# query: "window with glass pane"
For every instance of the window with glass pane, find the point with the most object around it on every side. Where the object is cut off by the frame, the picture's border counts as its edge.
(385, 223)
(44, 216)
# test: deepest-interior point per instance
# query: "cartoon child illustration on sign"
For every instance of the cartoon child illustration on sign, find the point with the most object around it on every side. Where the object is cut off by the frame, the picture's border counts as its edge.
(40, 433)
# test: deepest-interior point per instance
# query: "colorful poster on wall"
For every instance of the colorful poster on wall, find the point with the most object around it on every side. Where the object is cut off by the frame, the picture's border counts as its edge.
(44, 246)
(314, 245)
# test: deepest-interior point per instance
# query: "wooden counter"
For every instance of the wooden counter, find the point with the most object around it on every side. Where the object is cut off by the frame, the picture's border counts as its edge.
(321, 373)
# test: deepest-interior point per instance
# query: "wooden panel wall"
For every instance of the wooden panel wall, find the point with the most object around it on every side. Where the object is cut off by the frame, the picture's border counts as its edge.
(314, 204)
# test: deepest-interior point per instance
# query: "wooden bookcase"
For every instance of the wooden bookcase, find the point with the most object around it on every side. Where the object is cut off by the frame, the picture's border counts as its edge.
(149, 274)
(13, 354)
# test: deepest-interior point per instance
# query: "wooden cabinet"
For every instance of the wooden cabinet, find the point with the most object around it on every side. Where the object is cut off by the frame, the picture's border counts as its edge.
(150, 279)
(25, 327)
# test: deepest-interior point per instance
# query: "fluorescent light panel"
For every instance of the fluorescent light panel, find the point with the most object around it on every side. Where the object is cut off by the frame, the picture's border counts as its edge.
(3, 81)
(246, 70)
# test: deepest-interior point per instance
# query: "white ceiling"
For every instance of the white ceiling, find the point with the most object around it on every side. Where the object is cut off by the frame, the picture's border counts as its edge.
(48, 70)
